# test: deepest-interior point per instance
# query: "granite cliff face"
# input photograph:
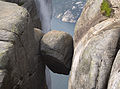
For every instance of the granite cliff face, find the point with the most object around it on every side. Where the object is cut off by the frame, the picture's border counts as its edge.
(31, 8)
(96, 47)
(97, 42)
(20, 65)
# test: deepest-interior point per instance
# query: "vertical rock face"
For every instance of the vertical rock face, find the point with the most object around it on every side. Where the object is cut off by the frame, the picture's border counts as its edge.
(114, 81)
(30, 6)
(44, 12)
(90, 16)
(20, 63)
(96, 45)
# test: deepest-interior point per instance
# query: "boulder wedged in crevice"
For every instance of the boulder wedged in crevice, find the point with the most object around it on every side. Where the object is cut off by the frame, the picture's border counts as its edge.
(57, 51)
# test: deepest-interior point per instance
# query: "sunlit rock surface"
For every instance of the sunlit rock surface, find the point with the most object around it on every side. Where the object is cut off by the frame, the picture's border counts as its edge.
(38, 34)
(57, 50)
(114, 81)
(31, 7)
(96, 43)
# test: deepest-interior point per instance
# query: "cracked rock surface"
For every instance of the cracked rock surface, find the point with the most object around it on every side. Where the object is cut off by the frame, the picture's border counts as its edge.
(20, 63)
(31, 8)
(114, 80)
(97, 41)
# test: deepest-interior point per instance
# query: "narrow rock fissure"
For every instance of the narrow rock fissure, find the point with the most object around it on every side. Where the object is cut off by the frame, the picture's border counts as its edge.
(117, 49)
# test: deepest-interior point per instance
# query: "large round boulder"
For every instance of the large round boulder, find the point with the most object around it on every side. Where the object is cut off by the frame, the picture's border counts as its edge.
(57, 51)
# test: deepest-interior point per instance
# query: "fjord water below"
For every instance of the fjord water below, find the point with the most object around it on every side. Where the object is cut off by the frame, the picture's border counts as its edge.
(61, 7)
(57, 24)
(60, 81)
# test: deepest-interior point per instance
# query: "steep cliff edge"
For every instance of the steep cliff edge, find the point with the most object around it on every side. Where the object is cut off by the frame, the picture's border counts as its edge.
(30, 6)
(20, 63)
(22, 60)
(97, 41)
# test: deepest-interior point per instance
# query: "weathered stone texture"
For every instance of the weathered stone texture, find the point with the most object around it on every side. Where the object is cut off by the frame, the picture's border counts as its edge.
(19, 52)
(57, 50)
(114, 81)
(96, 45)
(90, 16)
(31, 7)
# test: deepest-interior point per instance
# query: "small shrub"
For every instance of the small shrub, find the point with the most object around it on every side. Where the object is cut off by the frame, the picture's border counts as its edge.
(106, 8)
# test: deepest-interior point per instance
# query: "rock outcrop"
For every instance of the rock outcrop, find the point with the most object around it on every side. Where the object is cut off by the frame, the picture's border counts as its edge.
(96, 45)
(31, 8)
(20, 63)
(57, 50)
(114, 80)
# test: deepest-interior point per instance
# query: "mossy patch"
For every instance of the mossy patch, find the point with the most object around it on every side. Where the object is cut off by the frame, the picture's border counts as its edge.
(106, 9)
(20, 3)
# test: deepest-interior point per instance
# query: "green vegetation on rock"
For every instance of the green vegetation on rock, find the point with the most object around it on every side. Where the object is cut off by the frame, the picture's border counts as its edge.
(20, 3)
(106, 8)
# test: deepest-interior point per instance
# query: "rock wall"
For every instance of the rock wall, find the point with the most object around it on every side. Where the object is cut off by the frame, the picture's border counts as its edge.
(20, 63)
(30, 6)
(97, 41)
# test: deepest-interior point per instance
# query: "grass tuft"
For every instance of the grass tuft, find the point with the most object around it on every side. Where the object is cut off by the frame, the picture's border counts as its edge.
(106, 8)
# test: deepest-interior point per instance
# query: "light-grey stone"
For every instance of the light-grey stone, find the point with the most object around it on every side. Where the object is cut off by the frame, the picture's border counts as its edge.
(114, 81)
(96, 44)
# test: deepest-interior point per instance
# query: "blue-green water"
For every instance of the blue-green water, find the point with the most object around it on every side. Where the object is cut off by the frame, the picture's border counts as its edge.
(59, 81)
(57, 24)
